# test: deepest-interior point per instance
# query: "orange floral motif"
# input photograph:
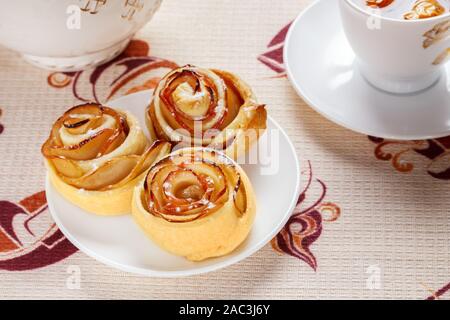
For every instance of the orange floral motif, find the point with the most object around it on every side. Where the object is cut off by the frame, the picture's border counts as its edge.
(134, 70)
(147, 85)
(305, 225)
(399, 153)
(33, 240)
(397, 157)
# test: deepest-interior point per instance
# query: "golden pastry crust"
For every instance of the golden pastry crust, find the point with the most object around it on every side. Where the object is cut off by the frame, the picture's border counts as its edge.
(196, 203)
(206, 107)
(105, 203)
(96, 155)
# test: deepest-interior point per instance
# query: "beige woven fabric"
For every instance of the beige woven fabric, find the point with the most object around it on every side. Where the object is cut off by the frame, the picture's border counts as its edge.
(393, 226)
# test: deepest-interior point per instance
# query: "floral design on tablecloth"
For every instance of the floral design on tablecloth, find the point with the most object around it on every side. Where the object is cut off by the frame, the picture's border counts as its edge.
(435, 151)
(2, 128)
(29, 238)
(306, 223)
(133, 66)
(273, 57)
(440, 293)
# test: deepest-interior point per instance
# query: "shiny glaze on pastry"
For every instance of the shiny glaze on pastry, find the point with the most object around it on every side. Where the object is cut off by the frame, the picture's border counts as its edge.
(94, 150)
(205, 107)
(196, 203)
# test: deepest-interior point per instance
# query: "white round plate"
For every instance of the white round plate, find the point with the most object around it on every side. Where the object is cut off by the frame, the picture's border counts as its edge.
(320, 66)
(120, 243)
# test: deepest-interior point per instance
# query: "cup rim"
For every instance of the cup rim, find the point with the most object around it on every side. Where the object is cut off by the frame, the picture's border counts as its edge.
(358, 8)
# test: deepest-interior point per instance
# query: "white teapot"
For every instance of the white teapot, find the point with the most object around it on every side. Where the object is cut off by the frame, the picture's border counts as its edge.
(69, 35)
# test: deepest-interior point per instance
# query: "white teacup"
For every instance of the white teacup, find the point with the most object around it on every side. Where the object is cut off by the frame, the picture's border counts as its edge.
(68, 35)
(395, 55)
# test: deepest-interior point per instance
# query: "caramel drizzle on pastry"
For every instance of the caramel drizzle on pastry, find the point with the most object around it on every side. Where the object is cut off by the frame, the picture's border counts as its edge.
(195, 105)
(96, 130)
(191, 95)
(193, 184)
(81, 146)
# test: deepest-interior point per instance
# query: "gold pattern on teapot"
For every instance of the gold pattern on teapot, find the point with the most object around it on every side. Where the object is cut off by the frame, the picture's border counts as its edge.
(131, 7)
(92, 6)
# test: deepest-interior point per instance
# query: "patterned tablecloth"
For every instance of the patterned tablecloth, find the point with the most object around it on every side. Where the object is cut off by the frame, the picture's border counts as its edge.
(373, 220)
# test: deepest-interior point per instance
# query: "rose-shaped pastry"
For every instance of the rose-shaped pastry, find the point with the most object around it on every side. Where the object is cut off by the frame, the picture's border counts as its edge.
(196, 203)
(205, 107)
(95, 155)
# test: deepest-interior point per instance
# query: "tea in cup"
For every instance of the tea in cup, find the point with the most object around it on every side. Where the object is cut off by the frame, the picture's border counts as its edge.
(401, 45)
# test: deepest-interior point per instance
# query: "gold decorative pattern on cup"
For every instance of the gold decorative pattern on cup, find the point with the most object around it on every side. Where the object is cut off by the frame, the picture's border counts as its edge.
(439, 33)
(443, 57)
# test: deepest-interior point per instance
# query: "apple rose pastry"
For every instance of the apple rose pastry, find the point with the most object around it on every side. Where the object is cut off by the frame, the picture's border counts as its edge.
(196, 203)
(205, 107)
(95, 156)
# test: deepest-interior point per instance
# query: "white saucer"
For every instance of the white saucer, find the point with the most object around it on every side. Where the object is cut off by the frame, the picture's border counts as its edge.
(120, 243)
(320, 66)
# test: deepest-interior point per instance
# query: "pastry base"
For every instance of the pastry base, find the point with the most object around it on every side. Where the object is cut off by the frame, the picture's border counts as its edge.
(105, 203)
(215, 235)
